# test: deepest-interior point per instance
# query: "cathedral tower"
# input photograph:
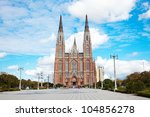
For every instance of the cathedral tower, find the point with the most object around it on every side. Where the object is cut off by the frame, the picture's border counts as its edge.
(59, 54)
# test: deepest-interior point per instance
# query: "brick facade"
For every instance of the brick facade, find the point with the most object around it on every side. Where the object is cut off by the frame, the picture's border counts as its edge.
(74, 69)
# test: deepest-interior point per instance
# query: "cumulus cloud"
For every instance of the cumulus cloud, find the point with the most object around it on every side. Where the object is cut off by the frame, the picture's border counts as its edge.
(46, 60)
(3, 54)
(145, 15)
(13, 67)
(102, 10)
(26, 46)
(97, 38)
(123, 67)
(45, 64)
(49, 39)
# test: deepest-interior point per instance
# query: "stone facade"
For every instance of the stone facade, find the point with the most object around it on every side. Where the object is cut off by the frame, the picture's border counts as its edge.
(74, 69)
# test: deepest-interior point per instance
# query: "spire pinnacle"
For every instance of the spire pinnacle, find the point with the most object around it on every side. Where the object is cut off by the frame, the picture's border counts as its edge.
(74, 47)
(74, 44)
(86, 24)
(60, 25)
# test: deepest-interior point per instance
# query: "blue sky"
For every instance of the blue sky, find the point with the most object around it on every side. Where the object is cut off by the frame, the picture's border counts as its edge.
(28, 31)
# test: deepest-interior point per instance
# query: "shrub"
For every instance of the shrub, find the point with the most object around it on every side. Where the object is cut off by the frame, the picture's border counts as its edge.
(9, 89)
(134, 86)
(145, 93)
(58, 85)
(121, 90)
(108, 84)
(98, 84)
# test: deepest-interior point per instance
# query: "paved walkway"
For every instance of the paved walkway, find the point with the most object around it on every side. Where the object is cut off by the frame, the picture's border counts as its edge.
(67, 94)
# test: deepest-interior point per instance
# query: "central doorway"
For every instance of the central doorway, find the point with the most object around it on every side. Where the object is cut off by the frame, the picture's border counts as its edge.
(74, 82)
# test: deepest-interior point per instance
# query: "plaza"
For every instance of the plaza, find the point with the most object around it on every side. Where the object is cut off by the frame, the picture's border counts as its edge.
(68, 94)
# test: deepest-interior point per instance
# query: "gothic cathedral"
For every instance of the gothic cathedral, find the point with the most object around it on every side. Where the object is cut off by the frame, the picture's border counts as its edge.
(74, 69)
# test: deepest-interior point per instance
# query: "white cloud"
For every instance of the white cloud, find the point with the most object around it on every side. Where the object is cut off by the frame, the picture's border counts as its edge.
(49, 39)
(25, 46)
(134, 54)
(11, 12)
(46, 60)
(45, 64)
(145, 15)
(3, 54)
(97, 38)
(123, 67)
(31, 72)
(146, 4)
(146, 34)
(102, 10)
(13, 67)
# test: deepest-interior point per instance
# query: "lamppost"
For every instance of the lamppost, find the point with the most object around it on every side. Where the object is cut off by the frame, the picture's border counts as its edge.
(48, 81)
(20, 70)
(38, 75)
(41, 77)
(114, 57)
(95, 80)
(102, 78)
(101, 75)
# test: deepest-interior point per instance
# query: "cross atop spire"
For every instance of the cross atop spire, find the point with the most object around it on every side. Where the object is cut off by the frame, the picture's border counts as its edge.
(86, 24)
(60, 25)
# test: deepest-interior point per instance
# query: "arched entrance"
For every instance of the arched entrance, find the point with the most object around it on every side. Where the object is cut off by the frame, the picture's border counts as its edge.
(74, 82)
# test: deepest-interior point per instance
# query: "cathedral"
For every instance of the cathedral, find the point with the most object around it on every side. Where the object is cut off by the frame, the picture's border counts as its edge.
(74, 69)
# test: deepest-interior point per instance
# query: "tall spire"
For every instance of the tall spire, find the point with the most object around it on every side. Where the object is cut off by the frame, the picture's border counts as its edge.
(60, 25)
(74, 47)
(74, 44)
(86, 24)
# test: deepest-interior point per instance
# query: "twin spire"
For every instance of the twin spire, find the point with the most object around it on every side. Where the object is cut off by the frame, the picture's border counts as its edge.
(61, 25)
(85, 30)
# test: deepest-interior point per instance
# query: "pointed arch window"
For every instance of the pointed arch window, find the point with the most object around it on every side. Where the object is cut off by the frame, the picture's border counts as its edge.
(87, 65)
(60, 53)
(60, 66)
(60, 39)
(86, 37)
(66, 66)
(74, 65)
(81, 66)
(87, 52)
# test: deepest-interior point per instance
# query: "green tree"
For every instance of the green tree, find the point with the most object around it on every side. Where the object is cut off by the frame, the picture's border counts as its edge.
(108, 84)
(145, 78)
(135, 86)
(8, 81)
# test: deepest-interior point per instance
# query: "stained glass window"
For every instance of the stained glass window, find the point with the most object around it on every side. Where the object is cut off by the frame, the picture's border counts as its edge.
(74, 65)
